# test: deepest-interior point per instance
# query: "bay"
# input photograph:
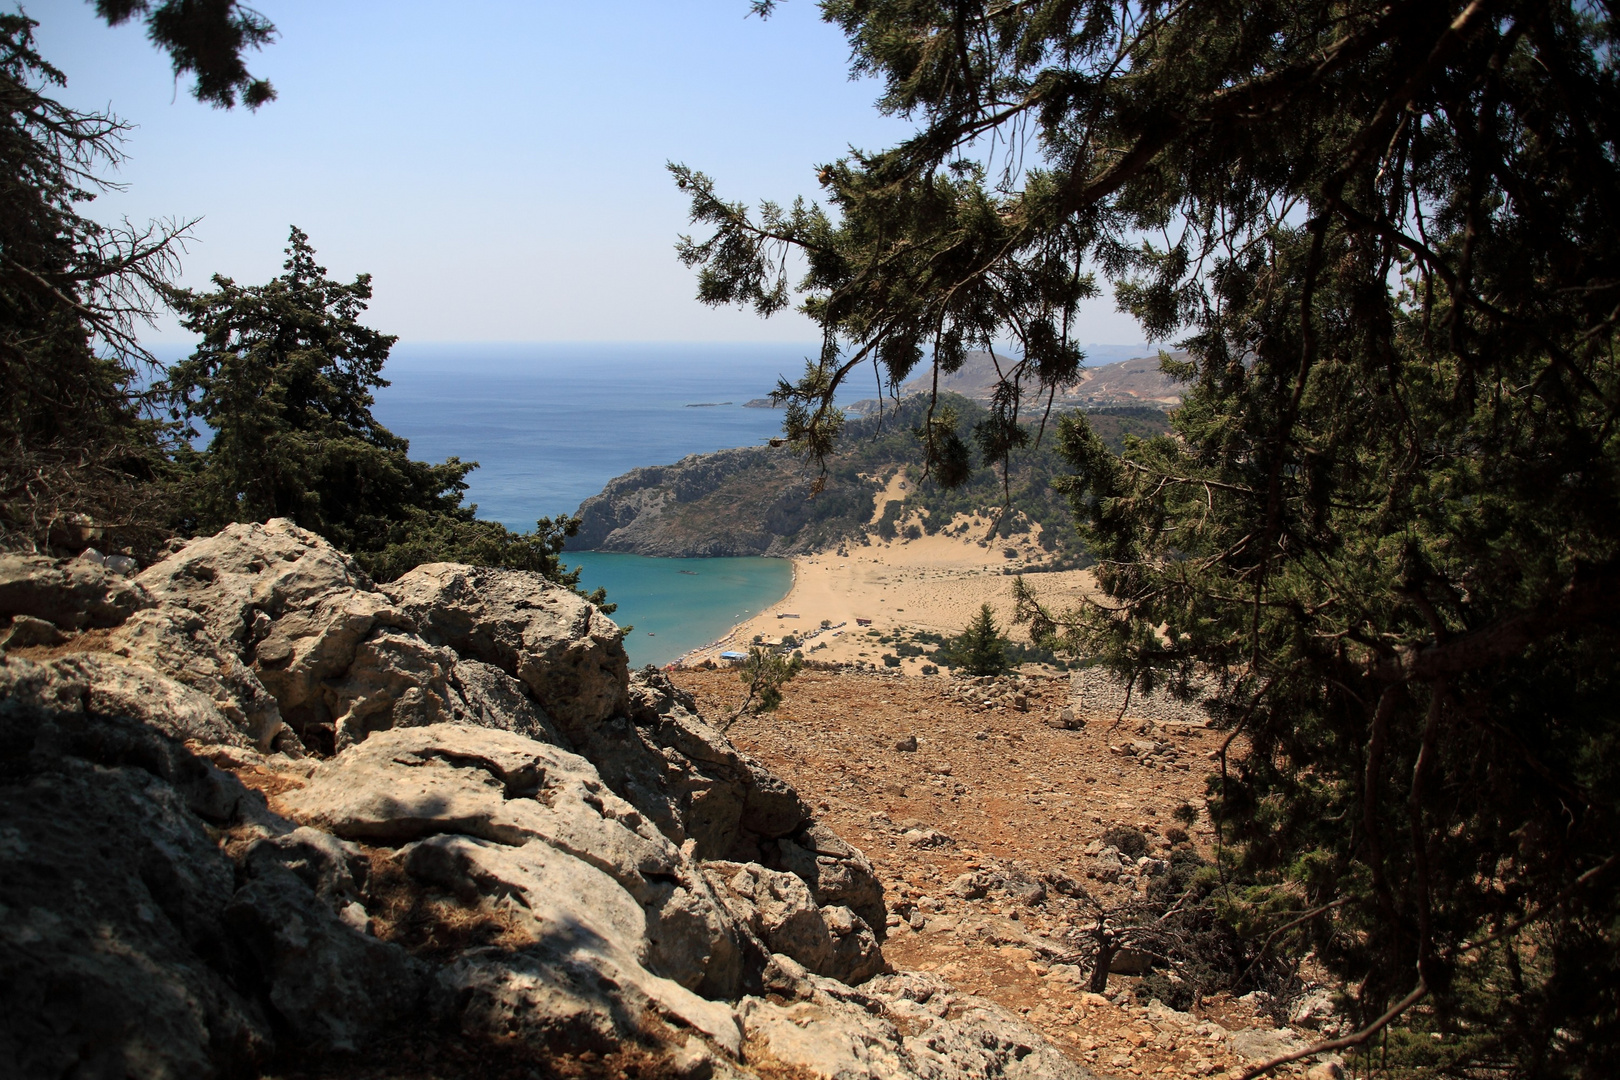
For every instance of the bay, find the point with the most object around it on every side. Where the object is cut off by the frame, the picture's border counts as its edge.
(676, 605)
(550, 424)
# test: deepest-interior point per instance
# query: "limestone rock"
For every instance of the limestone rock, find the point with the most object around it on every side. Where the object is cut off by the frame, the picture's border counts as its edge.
(837, 873)
(25, 630)
(566, 651)
(898, 1027)
(778, 908)
(571, 994)
(333, 986)
(687, 777)
(179, 642)
(103, 685)
(114, 959)
(413, 783)
(74, 594)
(285, 600)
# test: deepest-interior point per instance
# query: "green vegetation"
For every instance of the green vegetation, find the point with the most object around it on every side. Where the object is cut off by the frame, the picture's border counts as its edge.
(282, 379)
(874, 447)
(765, 671)
(1386, 527)
(980, 649)
(80, 455)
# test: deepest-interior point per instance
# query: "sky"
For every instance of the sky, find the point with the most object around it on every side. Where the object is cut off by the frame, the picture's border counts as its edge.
(498, 168)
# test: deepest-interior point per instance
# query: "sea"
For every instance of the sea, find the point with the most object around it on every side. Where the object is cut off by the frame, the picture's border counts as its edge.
(551, 424)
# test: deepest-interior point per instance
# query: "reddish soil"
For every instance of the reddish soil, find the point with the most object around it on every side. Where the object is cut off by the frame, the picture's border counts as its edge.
(1011, 794)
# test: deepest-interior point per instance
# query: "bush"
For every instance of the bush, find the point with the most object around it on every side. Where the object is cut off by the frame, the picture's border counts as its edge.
(1129, 841)
(891, 660)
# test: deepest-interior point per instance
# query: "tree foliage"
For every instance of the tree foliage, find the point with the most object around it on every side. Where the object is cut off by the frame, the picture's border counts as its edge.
(766, 671)
(981, 649)
(206, 39)
(79, 455)
(282, 378)
(1386, 530)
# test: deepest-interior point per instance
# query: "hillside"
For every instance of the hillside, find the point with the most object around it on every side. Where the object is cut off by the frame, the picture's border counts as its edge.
(758, 501)
(1136, 381)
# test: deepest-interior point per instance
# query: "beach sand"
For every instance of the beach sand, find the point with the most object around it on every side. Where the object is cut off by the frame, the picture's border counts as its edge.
(933, 583)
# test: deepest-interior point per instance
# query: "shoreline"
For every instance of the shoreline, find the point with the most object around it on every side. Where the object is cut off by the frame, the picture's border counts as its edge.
(933, 585)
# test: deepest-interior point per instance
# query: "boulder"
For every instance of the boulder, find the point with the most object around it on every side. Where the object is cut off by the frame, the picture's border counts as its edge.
(415, 783)
(232, 577)
(687, 777)
(897, 1027)
(70, 594)
(332, 986)
(837, 873)
(84, 684)
(114, 956)
(566, 651)
(179, 641)
(778, 908)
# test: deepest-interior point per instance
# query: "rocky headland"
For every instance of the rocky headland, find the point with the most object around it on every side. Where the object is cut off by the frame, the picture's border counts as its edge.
(260, 815)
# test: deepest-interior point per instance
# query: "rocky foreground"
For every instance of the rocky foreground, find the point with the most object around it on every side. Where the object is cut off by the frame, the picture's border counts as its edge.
(261, 816)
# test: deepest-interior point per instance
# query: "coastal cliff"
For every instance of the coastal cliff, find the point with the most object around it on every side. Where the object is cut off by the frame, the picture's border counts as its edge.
(761, 501)
(747, 501)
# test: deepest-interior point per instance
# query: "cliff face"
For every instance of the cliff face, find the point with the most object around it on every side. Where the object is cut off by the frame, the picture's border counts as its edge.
(748, 501)
(259, 815)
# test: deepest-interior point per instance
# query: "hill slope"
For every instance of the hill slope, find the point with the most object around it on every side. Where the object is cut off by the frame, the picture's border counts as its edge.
(758, 501)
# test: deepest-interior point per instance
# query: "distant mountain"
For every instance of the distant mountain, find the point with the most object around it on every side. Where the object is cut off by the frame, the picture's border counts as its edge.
(1135, 381)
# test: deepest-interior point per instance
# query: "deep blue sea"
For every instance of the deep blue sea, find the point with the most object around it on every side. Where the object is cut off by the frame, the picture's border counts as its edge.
(550, 424)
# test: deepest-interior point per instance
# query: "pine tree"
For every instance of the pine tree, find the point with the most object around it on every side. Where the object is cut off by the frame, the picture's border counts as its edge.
(80, 458)
(282, 379)
(1385, 534)
(980, 649)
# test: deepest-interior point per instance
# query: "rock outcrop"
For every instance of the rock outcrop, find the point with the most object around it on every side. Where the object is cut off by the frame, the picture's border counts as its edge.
(256, 811)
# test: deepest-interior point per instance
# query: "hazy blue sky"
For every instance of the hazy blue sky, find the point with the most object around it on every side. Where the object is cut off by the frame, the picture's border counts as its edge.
(497, 167)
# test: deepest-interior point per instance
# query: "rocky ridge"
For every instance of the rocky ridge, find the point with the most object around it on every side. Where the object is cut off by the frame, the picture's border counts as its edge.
(259, 813)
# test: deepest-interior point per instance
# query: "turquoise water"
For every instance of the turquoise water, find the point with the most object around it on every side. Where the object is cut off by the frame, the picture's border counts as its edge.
(677, 605)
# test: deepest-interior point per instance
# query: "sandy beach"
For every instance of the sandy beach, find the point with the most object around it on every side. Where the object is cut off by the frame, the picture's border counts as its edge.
(933, 583)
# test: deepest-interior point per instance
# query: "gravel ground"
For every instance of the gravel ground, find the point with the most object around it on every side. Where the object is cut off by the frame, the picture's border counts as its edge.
(982, 803)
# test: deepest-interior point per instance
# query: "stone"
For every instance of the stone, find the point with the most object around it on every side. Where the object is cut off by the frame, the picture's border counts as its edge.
(73, 594)
(181, 642)
(1314, 1009)
(779, 910)
(571, 994)
(1263, 1044)
(837, 873)
(1025, 890)
(412, 783)
(926, 838)
(898, 1027)
(973, 885)
(907, 745)
(26, 631)
(114, 958)
(97, 684)
(333, 986)
(566, 651)
(286, 602)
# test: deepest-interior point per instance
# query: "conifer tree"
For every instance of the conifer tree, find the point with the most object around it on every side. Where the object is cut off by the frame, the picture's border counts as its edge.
(1384, 538)
(282, 378)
